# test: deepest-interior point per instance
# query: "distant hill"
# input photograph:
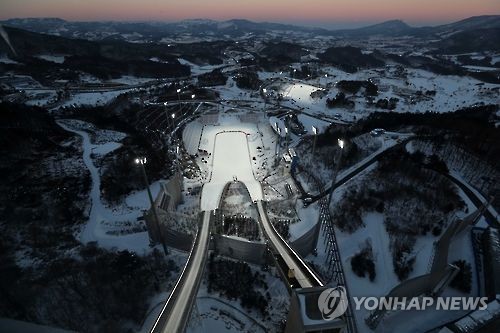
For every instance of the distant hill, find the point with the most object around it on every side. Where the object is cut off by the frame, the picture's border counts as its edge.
(471, 41)
(349, 58)
(474, 30)
(105, 60)
(471, 23)
(388, 28)
(400, 28)
(284, 50)
(155, 31)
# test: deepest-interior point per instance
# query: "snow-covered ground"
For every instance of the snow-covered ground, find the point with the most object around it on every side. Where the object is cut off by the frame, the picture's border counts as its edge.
(157, 301)
(300, 92)
(105, 222)
(234, 146)
(308, 122)
(197, 69)
(308, 217)
(132, 80)
(40, 97)
(452, 92)
(459, 166)
(231, 161)
(215, 313)
(92, 98)
(231, 92)
(6, 60)
(374, 233)
(58, 59)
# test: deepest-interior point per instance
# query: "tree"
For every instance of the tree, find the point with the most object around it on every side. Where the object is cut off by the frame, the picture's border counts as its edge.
(463, 280)
(362, 263)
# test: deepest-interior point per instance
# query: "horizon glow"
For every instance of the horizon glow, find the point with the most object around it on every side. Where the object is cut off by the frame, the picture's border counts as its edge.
(311, 12)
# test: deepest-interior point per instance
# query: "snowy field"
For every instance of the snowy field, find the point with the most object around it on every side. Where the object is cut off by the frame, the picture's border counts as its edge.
(92, 98)
(4, 59)
(58, 59)
(197, 69)
(300, 92)
(231, 161)
(106, 224)
(452, 92)
(215, 313)
(375, 233)
(230, 146)
(308, 217)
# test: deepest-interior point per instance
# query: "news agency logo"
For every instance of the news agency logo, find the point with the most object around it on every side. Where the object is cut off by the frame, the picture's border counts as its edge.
(332, 302)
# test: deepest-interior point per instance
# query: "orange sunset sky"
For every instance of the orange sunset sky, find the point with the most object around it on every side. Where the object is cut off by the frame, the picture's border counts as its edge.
(312, 12)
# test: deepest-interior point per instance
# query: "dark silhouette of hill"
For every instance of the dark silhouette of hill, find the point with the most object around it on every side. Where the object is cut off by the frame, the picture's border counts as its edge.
(349, 58)
(477, 40)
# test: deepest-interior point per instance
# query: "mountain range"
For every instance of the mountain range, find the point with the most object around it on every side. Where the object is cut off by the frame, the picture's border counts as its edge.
(155, 31)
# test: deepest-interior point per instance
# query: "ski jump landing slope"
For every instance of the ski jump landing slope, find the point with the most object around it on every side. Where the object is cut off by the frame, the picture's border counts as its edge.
(231, 161)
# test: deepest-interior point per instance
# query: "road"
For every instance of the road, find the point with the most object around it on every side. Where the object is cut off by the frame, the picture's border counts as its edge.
(303, 274)
(476, 200)
(176, 311)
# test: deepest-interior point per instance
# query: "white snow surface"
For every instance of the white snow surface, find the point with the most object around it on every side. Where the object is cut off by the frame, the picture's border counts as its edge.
(104, 220)
(231, 146)
(299, 92)
(92, 98)
(6, 60)
(308, 217)
(231, 161)
(58, 59)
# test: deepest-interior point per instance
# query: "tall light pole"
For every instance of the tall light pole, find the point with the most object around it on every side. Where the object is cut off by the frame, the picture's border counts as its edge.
(179, 99)
(286, 138)
(166, 114)
(315, 132)
(173, 121)
(141, 161)
(336, 171)
(278, 130)
(177, 150)
(264, 92)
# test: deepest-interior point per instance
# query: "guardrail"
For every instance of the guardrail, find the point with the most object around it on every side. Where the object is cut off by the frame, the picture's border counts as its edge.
(313, 279)
(166, 314)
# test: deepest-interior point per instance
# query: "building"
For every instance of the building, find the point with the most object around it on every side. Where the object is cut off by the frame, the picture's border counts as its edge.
(166, 204)
(305, 316)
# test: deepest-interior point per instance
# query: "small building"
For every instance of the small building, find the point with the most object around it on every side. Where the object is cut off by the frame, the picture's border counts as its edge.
(305, 316)
(166, 203)
(287, 158)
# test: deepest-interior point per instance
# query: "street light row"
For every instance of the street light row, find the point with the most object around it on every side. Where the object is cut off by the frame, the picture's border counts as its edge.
(179, 99)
